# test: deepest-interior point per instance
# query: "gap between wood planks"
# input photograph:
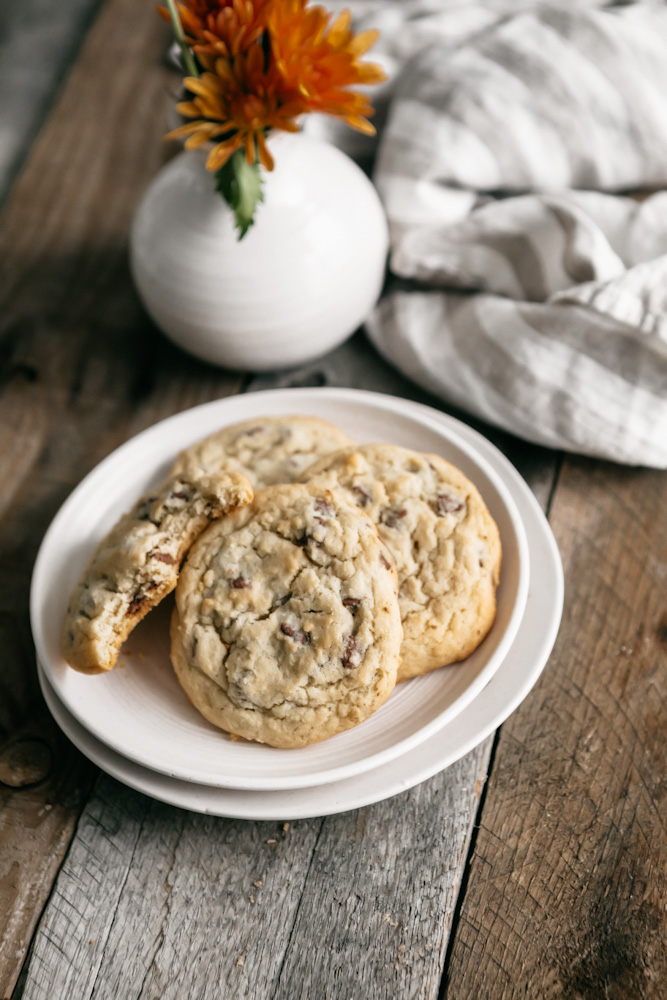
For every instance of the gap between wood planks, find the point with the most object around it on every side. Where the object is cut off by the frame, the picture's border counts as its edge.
(460, 899)
(566, 892)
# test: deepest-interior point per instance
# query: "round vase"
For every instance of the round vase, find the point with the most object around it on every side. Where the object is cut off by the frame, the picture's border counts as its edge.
(304, 277)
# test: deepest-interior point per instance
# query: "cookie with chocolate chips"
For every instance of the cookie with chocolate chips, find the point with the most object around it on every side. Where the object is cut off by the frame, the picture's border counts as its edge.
(267, 450)
(445, 543)
(286, 628)
(137, 564)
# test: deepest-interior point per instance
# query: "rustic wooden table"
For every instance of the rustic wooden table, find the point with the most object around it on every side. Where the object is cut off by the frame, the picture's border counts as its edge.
(535, 867)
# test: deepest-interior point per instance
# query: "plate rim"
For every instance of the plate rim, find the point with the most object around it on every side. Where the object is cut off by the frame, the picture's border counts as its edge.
(450, 428)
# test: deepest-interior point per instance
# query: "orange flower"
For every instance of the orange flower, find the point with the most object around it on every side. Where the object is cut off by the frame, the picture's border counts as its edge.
(236, 104)
(266, 62)
(320, 60)
(221, 27)
(233, 27)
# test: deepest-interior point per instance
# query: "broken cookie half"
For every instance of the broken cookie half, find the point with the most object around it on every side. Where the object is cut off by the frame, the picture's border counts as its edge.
(138, 562)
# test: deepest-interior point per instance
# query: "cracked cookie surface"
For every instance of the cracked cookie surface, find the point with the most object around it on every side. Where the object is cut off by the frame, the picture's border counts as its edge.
(267, 451)
(137, 564)
(286, 628)
(445, 543)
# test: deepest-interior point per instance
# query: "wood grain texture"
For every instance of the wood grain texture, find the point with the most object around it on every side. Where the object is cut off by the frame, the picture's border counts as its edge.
(376, 910)
(157, 902)
(81, 369)
(568, 882)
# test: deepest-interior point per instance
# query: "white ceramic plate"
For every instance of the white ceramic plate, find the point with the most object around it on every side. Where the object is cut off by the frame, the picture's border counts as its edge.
(140, 711)
(505, 691)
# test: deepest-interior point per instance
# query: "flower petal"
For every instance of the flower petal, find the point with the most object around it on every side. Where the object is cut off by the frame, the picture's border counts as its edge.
(363, 41)
(265, 157)
(221, 153)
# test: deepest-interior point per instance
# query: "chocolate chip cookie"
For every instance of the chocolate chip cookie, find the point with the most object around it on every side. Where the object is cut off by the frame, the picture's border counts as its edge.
(444, 540)
(267, 451)
(137, 564)
(286, 628)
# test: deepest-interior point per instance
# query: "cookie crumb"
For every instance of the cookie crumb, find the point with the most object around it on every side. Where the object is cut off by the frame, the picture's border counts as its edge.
(240, 960)
(285, 827)
(272, 840)
(92, 941)
(251, 899)
(258, 883)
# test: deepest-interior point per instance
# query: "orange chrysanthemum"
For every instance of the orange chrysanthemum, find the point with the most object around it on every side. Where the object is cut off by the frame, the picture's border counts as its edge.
(222, 27)
(266, 62)
(234, 106)
(320, 60)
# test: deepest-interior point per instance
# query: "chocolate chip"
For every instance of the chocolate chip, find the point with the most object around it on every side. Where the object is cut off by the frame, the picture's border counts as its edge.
(144, 509)
(352, 603)
(447, 504)
(364, 496)
(351, 649)
(163, 557)
(178, 495)
(305, 540)
(324, 506)
(136, 604)
(392, 517)
(238, 695)
(239, 583)
(303, 638)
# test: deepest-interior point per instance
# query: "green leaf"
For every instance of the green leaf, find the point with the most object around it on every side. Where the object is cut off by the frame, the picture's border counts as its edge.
(240, 184)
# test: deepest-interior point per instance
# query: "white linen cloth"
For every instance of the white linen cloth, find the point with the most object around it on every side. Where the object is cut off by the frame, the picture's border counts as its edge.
(536, 296)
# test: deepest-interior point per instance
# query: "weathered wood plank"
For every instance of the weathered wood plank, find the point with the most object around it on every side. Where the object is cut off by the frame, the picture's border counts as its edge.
(38, 40)
(43, 784)
(377, 906)
(67, 953)
(566, 895)
(81, 369)
(154, 901)
(157, 902)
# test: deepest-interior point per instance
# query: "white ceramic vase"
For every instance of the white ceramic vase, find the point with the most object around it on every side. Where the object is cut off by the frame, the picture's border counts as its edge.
(303, 279)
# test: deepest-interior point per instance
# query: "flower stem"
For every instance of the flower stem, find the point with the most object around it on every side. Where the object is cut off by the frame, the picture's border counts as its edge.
(188, 58)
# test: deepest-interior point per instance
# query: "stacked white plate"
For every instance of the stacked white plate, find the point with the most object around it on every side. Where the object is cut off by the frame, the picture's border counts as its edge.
(137, 724)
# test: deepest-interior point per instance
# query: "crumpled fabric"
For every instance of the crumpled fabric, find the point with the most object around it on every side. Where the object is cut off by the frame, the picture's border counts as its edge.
(530, 276)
